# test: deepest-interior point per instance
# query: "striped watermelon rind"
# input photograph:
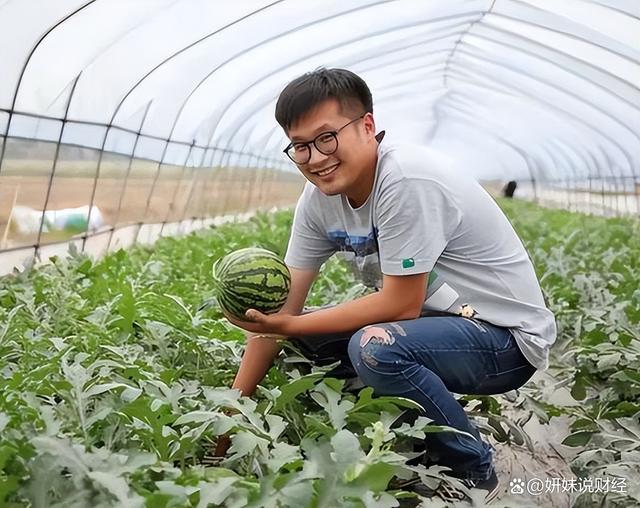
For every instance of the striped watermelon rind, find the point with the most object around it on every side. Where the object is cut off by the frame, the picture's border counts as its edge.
(251, 278)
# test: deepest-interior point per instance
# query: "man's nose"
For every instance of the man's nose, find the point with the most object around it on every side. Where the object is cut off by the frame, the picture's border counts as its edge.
(316, 155)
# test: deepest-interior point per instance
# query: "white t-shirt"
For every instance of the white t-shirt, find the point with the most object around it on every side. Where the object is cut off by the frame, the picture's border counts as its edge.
(425, 216)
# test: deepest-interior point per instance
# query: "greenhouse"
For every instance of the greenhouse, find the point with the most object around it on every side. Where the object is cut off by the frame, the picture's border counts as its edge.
(368, 253)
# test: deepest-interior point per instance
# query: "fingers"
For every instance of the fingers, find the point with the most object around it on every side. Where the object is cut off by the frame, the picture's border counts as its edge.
(255, 316)
(252, 315)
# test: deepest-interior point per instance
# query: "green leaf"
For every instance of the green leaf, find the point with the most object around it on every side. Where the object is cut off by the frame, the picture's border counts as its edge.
(376, 477)
(580, 438)
(126, 309)
(291, 390)
(579, 391)
(118, 488)
(215, 493)
(346, 448)
(245, 442)
(330, 399)
(609, 360)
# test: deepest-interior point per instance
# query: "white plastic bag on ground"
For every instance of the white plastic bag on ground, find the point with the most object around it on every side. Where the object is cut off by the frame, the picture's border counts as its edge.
(27, 220)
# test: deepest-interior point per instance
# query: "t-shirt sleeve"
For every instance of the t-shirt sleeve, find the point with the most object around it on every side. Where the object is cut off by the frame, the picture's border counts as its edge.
(309, 246)
(416, 219)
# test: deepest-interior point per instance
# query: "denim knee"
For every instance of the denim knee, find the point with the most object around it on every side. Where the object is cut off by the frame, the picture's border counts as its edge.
(375, 354)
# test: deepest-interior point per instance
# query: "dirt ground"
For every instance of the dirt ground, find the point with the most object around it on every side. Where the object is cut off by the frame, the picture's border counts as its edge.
(549, 460)
(531, 468)
(196, 193)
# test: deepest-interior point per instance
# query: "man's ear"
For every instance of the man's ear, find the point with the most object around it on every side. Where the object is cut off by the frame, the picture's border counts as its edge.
(369, 125)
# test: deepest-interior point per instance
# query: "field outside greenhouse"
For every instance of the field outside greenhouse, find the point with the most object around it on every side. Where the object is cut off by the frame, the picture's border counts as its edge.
(116, 376)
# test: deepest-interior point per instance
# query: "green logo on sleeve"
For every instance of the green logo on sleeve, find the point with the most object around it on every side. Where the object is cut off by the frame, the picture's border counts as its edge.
(408, 263)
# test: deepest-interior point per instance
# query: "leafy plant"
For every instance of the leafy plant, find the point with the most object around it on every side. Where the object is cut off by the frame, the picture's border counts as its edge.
(114, 379)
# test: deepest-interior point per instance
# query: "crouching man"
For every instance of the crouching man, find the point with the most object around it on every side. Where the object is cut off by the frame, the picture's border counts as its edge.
(458, 307)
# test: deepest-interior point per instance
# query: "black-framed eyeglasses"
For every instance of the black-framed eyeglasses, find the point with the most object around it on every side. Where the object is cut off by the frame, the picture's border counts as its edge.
(326, 143)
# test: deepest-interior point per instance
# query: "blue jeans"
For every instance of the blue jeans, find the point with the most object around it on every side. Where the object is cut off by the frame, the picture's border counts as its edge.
(425, 359)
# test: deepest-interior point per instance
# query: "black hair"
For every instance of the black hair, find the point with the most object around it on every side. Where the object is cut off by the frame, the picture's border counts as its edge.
(312, 88)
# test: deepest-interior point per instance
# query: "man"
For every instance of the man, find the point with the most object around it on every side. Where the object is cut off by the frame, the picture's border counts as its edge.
(432, 241)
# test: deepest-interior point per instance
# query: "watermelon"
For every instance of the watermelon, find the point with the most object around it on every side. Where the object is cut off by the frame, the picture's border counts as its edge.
(251, 278)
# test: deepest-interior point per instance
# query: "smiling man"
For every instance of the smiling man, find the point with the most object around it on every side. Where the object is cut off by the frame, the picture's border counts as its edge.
(458, 307)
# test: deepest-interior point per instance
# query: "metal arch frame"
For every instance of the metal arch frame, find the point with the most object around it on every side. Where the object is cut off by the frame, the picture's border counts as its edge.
(548, 104)
(111, 126)
(455, 46)
(12, 112)
(529, 164)
(500, 139)
(377, 55)
(24, 69)
(536, 56)
(578, 121)
(186, 143)
(560, 53)
(383, 54)
(247, 50)
(324, 50)
(239, 125)
(380, 89)
(189, 96)
(531, 161)
(182, 50)
(558, 106)
(166, 140)
(606, 6)
(54, 167)
(128, 172)
(516, 48)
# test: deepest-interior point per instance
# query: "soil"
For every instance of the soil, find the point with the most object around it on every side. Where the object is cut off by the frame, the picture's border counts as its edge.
(196, 194)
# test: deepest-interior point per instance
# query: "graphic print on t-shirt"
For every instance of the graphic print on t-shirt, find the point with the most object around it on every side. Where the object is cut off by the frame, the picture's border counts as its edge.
(361, 254)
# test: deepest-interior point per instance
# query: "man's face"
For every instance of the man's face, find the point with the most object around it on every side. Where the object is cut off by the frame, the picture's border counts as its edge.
(347, 169)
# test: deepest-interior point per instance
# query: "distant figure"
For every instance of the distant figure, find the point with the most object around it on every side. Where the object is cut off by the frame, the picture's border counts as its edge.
(509, 189)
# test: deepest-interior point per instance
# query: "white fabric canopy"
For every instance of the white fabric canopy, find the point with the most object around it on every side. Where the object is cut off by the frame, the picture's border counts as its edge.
(507, 88)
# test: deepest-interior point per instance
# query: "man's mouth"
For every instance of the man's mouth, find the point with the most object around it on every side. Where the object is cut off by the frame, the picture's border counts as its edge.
(327, 171)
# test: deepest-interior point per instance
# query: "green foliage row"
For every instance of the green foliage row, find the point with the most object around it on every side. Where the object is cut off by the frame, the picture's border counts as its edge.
(589, 268)
(114, 378)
